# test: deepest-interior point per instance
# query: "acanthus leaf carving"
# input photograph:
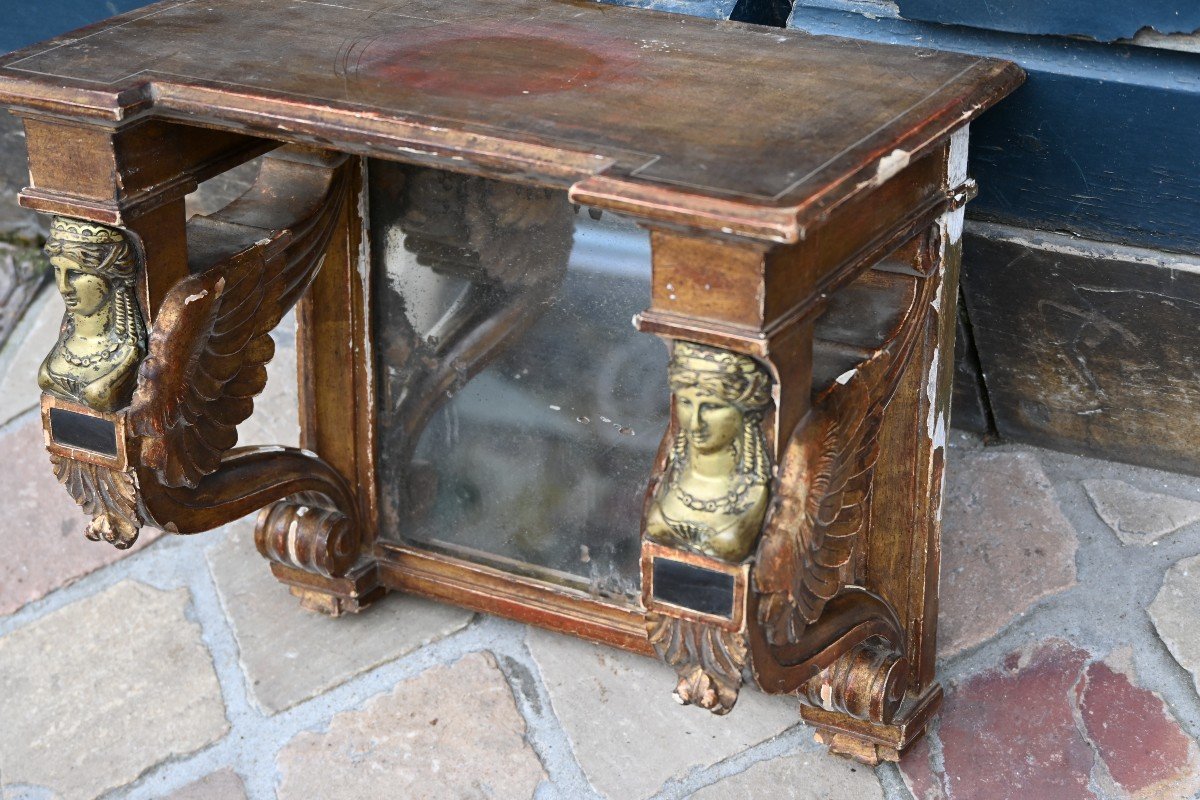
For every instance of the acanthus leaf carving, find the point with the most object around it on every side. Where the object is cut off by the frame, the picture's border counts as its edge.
(109, 496)
(708, 660)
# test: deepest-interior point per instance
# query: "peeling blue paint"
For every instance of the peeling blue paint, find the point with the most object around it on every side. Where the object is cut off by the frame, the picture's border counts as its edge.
(1099, 142)
(1103, 20)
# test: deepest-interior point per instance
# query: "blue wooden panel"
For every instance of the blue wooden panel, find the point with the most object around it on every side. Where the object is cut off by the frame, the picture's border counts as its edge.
(710, 9)
(1105, 20)
(25, 22)
(1101, 140)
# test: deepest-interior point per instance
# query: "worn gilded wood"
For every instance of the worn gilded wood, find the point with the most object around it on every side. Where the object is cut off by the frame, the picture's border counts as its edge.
(169, 459)
(804, 209)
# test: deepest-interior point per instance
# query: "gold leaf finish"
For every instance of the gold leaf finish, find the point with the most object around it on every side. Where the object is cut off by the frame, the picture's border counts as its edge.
(108, 496)
(102, 338)
(714, 491)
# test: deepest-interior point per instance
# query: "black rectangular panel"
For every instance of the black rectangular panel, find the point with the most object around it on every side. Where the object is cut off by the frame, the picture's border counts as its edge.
(696, 588)
(82, 431)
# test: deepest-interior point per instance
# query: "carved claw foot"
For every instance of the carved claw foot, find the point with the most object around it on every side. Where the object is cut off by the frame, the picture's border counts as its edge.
(108, 496)
(708, 660)
(699, 688)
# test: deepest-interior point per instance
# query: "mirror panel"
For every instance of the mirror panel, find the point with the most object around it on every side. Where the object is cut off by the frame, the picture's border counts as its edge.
(520, 411)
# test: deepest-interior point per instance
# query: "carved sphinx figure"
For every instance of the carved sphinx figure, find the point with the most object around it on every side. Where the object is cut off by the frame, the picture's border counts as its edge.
(102, 339)
(714, 491)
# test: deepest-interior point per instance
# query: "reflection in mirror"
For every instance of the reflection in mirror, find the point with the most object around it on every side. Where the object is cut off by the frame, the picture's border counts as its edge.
(520, 411)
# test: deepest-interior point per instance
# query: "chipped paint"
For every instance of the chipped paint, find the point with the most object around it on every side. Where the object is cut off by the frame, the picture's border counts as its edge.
(890, 165)
(292, 543)
(956, 176)
(367, 362)
(1086, 248)
(845, 377)
(936, 422)
(191, 298)
(956, 159)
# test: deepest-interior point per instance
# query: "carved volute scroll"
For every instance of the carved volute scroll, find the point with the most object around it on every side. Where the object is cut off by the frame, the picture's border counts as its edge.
(713, 493)
(102, 338)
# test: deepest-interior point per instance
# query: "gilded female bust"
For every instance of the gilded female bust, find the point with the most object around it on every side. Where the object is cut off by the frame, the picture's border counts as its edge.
(102, 338)
(714, 492)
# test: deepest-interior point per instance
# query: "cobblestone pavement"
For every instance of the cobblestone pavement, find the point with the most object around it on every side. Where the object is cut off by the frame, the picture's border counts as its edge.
(181, 669)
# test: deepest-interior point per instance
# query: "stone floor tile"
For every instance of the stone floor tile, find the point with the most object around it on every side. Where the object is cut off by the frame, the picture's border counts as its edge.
(628, 733)
(101, 690)
(920, 778)
(800, 776)
(1145, 753)
(1138, 516)
(34, 337)
(288, 654)
(42, 538)
(1011, 732)
(1050, 722)
(221, 785)
(24, 272)
(1005, 545)
(276, 411)
(1174, 614)
(450, 732)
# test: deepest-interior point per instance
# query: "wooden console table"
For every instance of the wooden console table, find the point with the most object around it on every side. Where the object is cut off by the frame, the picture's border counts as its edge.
(757, 500)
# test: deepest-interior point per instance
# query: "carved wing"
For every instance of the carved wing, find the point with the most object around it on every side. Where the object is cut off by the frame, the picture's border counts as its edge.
(811, 530)
(206, 362)
(825, 486)
(211, 340)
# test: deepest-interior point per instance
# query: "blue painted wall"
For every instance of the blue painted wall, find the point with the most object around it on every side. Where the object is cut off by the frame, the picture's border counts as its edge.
(25, 22)
(1103, 140)
(1104, 20)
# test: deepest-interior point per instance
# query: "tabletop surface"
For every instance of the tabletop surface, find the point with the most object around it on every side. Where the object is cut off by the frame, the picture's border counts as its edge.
(552, 91)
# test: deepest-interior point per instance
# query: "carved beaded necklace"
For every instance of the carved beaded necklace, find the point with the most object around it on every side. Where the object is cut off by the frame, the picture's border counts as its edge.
(89, 360)
(733, 501)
